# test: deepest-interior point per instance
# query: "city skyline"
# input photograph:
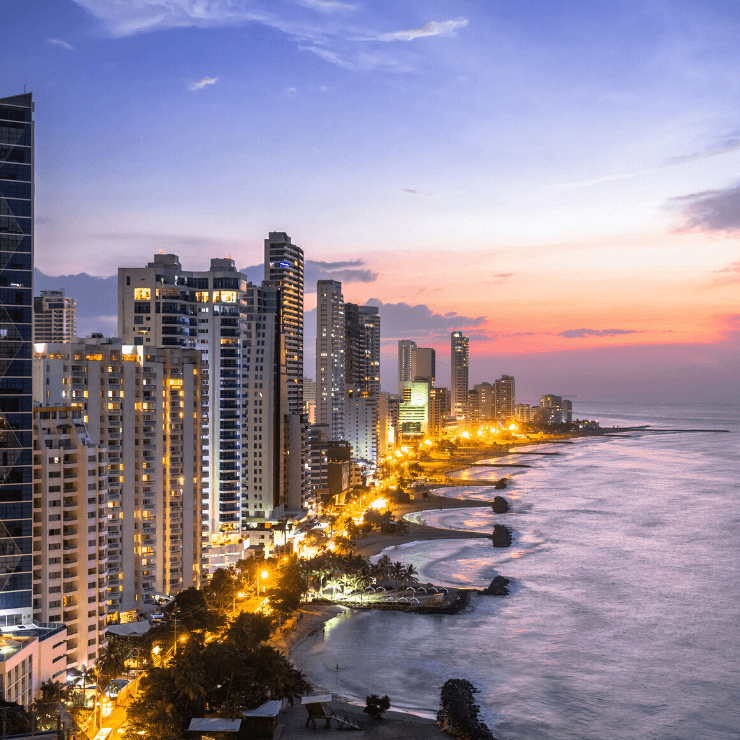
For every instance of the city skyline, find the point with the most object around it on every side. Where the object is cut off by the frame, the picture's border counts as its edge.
(576, 177)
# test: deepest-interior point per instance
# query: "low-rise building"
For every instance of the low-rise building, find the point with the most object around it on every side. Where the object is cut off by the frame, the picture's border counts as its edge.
(30, 655)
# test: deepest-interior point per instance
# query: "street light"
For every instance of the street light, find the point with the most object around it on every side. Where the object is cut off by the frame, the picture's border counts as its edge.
(263, 575)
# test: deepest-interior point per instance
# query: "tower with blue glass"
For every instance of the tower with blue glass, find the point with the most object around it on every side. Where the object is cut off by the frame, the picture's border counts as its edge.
(16, 326)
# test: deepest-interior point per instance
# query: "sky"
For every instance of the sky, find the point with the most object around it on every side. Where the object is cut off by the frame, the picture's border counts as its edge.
(561, 181)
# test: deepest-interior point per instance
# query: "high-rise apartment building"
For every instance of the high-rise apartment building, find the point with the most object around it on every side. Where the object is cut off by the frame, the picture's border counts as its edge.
(439, 408)
(459, 361)
(404, 362)
(234, 325)
(330, 357)
(16, 308)
(369, 320)
(485, 400)
(361, 424)
(54, 317)
(555, 410)
(144, 405)
(387, 423)
(423, 364)
(504, 397)
(362, 343)
(284, 273)
(309, 400)
(70, 531)
(284, 270)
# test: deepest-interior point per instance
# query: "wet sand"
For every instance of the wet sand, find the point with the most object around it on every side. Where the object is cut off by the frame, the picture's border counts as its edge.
(373, 543)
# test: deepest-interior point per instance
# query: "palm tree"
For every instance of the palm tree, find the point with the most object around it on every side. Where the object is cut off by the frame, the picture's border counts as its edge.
(398, 571)
(411, 574)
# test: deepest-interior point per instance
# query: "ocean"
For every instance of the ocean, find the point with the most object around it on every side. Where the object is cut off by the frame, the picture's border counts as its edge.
(624, 616)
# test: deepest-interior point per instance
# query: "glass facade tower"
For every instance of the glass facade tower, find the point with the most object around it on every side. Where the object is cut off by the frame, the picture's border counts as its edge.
(16, 326)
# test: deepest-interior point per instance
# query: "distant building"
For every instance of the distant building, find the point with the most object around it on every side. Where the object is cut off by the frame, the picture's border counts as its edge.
(474, 416)
(522, 412)
(485, 401)
(54, 317)
(362, 342)
(439, 409)
(423, 364)
(555, 410)
(361, 424)
(404, 362)
(388, 405)
(413, 411)
(330, 357)
(318, 442)
(460, 360)
(504, 397)
(309, 400)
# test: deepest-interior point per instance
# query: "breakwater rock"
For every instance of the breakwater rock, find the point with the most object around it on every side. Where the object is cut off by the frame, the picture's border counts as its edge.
(500, 505)
(501, 483)
(501, 536)
(497, 587)
(459, 714)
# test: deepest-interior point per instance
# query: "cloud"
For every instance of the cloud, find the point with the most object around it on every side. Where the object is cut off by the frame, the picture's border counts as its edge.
(411, 191)
(579, 333)
(500, 277)
(728, 144)
(445, 28)
(598, 180)
(728, 275)
(202, 83)
(725, 145)
(404, 321)
(359, 60)
(328, 6)
(348, 271)
(59, 42)
(131, 18)
(711, 210)
(733, 268)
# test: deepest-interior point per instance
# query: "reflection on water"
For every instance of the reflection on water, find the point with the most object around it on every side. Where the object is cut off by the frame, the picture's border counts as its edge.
(624, 611)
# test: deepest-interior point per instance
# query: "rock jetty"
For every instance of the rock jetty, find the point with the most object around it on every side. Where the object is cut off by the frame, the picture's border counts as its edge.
(502, 483)
(501, 536)
(497, 587)
(459, 714)
(500, 505)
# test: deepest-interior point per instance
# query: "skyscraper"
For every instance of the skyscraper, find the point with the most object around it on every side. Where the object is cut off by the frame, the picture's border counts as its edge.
(284, 270)
(16, 307)
(330, 357)
(362, 348)
(284, 273)
(54, 317)
(459, 360)
(404, 362)
(369, 318)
